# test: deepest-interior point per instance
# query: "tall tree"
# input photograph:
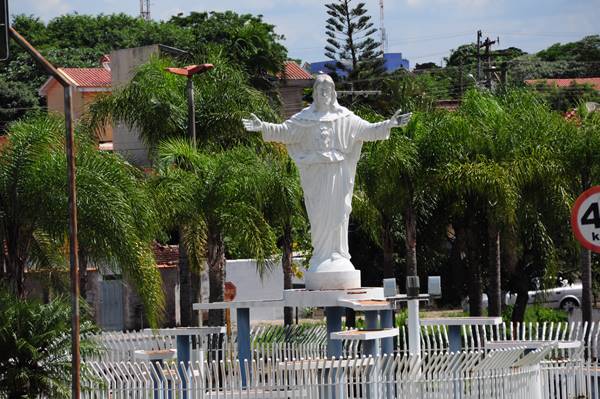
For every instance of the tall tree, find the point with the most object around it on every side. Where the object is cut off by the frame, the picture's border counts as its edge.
(154, 103)
(217, 198)
(583, 161)
(350, 42)
(115, 219)
(285, 213)
(385, 196)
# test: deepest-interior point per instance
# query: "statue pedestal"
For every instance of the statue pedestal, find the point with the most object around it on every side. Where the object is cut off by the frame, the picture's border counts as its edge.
(334, 280)
(331, 273)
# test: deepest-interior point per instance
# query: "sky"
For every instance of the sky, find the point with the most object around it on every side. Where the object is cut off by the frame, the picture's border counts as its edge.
(422, 30)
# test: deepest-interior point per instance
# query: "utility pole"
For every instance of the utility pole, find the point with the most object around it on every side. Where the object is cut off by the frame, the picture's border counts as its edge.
(382, 29)
(488, 55)
(72, 204)
(478, 55)
(145, 9)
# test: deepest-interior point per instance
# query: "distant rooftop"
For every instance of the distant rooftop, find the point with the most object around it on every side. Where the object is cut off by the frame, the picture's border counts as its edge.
(594, 82)
(293, 71)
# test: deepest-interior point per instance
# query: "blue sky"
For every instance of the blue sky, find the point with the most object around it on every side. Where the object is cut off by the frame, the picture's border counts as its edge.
(423, 30)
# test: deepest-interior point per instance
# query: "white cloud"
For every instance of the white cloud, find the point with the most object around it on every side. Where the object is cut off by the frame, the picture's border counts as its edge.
(457, 3)
(44, 9)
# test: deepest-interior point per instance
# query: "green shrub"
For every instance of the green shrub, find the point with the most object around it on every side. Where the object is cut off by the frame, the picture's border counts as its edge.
(537, 313)
(35, 347)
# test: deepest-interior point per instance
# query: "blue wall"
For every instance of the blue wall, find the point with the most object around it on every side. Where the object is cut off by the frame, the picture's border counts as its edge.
(393, 62)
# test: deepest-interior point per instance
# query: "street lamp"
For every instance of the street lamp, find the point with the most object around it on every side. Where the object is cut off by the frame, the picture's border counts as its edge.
(189, 72)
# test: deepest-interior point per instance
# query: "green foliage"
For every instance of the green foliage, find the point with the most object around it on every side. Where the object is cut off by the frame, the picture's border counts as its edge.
(35, 347)
(221, 192)
(155, 103)
(116, 219)
(539, 314)
(250, 42)
(350, 42)
(15, 101)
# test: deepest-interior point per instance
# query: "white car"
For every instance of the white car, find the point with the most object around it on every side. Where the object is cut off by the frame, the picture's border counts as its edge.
(566, 298)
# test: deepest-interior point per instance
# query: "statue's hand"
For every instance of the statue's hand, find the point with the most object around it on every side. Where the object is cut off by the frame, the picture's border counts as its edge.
(400, 119)
(253, 124)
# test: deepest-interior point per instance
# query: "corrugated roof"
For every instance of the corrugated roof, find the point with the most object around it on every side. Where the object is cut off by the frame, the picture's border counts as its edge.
(294, 71)
(88, 77)
(595, 82)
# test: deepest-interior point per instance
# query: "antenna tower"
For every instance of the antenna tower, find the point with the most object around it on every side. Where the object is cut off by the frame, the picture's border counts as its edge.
(145, 9)
(384, 41)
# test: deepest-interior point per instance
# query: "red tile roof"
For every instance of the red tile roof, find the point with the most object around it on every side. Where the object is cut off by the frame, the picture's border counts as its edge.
(166, 255)
(594, 82)
(294, 71)
(88, 77)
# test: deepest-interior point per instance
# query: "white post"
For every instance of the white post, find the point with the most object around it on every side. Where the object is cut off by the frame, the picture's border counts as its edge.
(414, 327)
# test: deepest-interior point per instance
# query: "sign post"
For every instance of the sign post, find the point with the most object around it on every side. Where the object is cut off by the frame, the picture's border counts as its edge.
(585, 220)
(4, 24)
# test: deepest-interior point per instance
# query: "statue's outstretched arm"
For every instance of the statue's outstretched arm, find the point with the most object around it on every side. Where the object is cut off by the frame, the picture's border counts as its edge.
(276, 132)
(400, 119)
(253, 124)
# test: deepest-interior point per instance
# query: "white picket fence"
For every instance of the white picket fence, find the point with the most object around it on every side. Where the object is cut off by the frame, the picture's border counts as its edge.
(558, 373)
(310, 341)
(498, 374)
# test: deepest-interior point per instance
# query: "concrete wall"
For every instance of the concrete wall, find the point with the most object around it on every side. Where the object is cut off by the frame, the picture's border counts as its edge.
(250, 286)
(80, 99)
(242, 273)
(123, 64)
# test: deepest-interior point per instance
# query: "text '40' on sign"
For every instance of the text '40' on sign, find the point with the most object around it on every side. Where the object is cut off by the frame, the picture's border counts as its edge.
(585, 219)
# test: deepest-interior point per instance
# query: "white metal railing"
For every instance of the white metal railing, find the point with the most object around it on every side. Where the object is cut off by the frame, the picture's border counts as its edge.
(499, 374)
(311, 341)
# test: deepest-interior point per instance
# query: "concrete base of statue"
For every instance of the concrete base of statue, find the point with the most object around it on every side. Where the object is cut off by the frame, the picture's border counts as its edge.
(333, 273)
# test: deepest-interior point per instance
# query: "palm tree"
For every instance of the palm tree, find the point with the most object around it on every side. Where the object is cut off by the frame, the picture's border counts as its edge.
(116, 219)
(217, 199)
(154, 103)
(385, 196)
(285, 212)
(35, 347)
(582, 159)
(482, 181)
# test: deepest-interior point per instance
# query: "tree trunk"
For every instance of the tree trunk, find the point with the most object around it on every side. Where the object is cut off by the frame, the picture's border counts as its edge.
(494, 295)
(410, 223)
(586, 285)
(185, 285)
(286, 263)
(16, 254)
(388, 249)
(518, 314)
(474, 269)
(216, 269)
(196, 288)
(83, 275)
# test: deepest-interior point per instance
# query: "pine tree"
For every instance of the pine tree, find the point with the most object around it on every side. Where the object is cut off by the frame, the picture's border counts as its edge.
(350, 40)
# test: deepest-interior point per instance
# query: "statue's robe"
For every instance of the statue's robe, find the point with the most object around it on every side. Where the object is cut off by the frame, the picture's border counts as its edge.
(326, 149)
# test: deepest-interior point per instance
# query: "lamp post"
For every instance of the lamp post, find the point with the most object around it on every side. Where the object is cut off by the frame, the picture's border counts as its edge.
(189, 72)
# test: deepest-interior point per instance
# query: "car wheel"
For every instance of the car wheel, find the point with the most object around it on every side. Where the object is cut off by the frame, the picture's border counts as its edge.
(568, 304)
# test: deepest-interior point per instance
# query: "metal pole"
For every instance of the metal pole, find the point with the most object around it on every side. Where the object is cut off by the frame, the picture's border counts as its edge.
(191, 110)
(73, 247)
(72, 195)
(478, 56)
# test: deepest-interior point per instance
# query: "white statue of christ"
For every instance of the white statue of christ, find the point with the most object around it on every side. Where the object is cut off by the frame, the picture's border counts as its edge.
(325, 140)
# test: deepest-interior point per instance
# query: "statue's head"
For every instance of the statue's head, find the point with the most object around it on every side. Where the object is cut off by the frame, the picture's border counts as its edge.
(324, 94)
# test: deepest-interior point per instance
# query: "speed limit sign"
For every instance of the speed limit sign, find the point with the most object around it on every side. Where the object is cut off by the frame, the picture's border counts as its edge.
(585, 219)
